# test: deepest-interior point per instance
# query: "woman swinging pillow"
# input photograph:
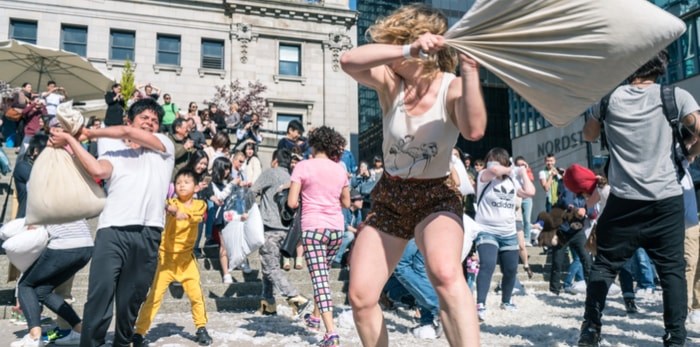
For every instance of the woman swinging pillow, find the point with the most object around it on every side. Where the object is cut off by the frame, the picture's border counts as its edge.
(425, 109)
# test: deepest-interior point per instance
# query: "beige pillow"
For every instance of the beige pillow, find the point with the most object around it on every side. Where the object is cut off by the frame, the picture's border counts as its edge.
(563, 55)
(71, 119)
(60, 190)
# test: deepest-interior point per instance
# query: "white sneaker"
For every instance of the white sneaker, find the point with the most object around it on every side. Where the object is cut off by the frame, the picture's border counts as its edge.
(245, 267)
(72, 339)
(508, 307)
(694, 317)
(228, 279)
(481, 311)
(579, 287)
(27, 341)
(646, 292)
(614, 290)
(425, 332)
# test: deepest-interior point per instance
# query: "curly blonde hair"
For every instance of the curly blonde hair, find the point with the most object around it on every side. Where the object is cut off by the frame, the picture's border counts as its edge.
(406, 24)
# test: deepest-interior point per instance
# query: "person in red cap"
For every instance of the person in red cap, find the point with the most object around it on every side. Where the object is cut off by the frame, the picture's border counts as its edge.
(580, 180)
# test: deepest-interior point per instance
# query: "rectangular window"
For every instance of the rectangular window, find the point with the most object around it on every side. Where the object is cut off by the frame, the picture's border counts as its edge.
(74, 39)
(212, 54)
(23, 30)
(290, 59)
(283, 120)
(121, 45)
(168, 50)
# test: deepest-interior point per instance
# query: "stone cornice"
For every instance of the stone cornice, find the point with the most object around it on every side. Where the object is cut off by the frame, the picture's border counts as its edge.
(293, 10)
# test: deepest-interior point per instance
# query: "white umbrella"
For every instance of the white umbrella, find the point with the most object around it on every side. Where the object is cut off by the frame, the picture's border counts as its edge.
(563, 55)
(22, 62)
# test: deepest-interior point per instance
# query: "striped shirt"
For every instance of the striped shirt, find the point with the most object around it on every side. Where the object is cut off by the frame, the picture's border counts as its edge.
(70, 235)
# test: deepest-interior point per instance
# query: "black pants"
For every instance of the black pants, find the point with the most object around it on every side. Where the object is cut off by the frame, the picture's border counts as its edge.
(53, 267)
(123, 266)
(577, 243)
(656, 226)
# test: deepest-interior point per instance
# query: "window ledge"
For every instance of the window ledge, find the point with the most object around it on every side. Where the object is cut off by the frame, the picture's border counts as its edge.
(289, 78)
(204, 71)
(118, 63)
(176, 68)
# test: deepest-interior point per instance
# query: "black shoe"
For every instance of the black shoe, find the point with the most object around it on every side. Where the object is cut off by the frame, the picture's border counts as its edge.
(138, 341)
(203, 338)
(668, 343)
(630, 306)
(590, 335)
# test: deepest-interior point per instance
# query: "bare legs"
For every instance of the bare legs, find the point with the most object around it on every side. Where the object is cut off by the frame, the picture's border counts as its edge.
(375, 254)
(373, 259)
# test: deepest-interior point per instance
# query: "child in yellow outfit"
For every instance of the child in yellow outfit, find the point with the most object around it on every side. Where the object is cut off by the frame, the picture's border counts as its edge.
(176, 261)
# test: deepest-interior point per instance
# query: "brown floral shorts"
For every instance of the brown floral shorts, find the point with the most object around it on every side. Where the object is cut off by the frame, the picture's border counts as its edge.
(399, 205)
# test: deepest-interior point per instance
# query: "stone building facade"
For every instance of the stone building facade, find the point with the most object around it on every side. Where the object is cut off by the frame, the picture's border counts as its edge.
(188, 47)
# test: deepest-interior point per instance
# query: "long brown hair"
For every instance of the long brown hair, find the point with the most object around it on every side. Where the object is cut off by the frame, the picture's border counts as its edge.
(406, 24)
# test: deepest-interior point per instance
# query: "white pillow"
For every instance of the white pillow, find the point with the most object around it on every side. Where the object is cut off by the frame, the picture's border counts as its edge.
(25, 248)
(12, 228)
(562, 56)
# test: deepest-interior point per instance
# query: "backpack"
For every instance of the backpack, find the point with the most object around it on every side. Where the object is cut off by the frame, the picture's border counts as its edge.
(668, 101)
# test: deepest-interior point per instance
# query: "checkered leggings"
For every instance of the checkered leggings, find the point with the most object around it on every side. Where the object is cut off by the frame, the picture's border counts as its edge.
(320, 246)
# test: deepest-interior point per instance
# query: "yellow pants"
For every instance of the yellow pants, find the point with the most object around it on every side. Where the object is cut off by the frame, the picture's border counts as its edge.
(173, 267)
(692, 268)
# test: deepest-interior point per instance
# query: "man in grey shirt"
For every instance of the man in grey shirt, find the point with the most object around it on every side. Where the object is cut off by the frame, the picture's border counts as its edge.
(270, 182)
(645, 207)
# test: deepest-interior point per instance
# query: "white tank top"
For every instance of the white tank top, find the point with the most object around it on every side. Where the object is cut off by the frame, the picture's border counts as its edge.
(419, 146)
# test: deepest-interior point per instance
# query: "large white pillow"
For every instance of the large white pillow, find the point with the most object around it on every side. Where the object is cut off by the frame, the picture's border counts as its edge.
(563, 55)
(12, 228)
(25, 248)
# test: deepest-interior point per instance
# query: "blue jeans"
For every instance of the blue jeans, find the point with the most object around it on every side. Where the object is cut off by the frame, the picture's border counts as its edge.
(209, 226)
(638, 267)
(410, 271)
(471, 281)
(348, 237)
(527, 218)
(575, 272)
(646, 273)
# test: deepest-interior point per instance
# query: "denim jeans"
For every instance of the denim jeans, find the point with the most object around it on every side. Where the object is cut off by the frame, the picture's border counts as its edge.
(410, 271)
(638, 267)
(36, 287)
(527, 218)
(646, 273)
(575, 272)
(348, 237)
(577, 243)
(209, 223)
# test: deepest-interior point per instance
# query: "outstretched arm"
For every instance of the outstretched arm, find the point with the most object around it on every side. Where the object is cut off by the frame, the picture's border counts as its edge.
(136, 135)
(100, 169)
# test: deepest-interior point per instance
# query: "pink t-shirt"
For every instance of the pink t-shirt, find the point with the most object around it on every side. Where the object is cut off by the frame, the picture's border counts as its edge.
(322, 180)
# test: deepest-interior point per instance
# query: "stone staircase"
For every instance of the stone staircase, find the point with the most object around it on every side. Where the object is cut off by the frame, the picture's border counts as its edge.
(243, 294)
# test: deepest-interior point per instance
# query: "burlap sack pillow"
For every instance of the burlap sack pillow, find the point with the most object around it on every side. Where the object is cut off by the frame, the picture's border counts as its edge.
(60, 190)
(563, 55)
(71, 120)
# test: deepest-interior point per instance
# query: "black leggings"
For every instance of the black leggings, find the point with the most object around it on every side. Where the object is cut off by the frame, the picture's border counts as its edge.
(488, 254)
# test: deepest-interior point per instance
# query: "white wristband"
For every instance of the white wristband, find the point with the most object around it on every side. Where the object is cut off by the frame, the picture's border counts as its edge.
(407, 51)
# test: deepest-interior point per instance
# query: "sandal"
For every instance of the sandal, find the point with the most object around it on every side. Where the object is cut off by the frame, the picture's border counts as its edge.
(299, 263)
(286, 264)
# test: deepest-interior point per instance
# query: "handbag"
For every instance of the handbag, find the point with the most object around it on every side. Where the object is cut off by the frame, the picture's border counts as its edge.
(13, 114)
(288, 248)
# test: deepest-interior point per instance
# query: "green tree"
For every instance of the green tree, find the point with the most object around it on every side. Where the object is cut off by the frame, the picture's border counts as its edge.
(127, 81)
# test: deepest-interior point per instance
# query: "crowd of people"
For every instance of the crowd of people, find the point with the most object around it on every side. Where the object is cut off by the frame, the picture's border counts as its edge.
(174, 177)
